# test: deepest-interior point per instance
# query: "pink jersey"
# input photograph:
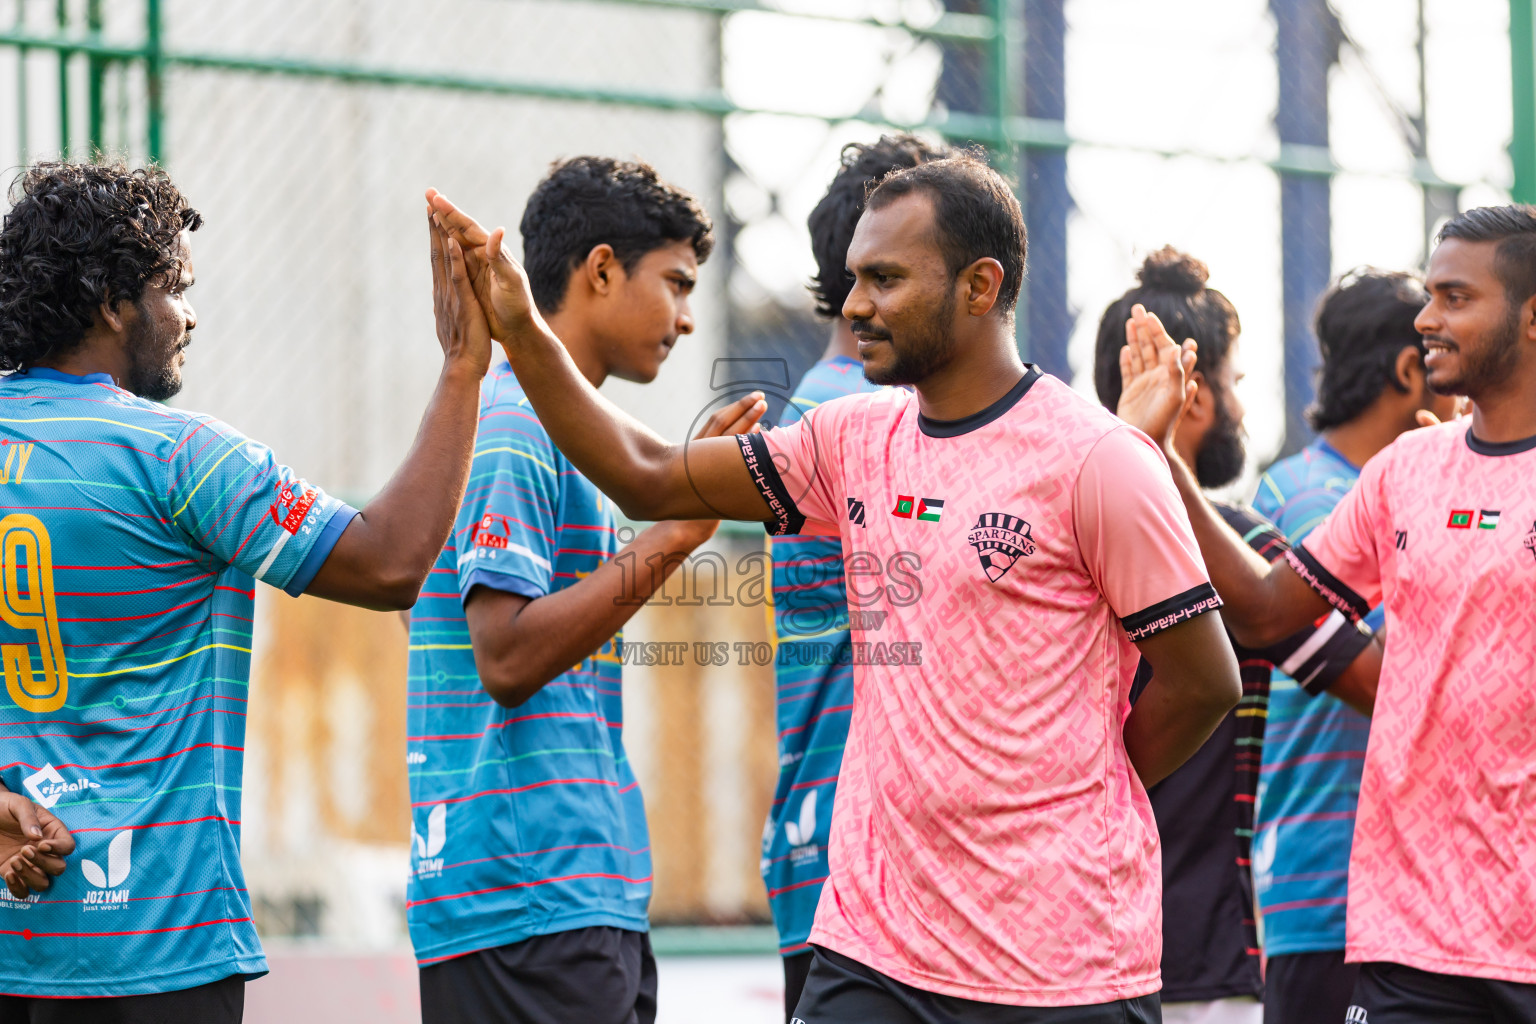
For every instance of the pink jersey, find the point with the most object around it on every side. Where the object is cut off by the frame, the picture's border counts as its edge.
(1442, 529)
(990, 839)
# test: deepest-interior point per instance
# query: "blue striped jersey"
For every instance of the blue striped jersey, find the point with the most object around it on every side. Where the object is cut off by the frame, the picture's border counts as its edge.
(814, 680)
(132, 535)
(525, 821)
(1314, 748)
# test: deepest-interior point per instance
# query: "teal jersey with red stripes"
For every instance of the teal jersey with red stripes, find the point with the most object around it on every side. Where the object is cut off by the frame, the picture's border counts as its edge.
(132, 535)
(525, 821)
(1314, 748)
(814, 681)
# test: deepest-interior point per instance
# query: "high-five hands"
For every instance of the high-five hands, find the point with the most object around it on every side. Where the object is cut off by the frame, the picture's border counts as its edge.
(1155, 377)
(461, 325)
(499, 282)
(33, 845)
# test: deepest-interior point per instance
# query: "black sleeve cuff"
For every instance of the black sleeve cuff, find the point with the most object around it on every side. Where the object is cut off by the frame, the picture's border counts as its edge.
(1150, 621)
(787, 518)
(1316, 656)
(1326, 583)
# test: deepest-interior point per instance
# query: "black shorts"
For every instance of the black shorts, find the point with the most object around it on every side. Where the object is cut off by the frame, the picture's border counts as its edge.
(1304, 988)
(795, 969)
(220, 1002)
(1395, 994)
(840, 990)
(587, 976)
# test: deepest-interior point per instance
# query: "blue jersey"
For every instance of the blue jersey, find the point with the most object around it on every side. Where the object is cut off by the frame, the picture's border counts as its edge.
(1314, 749)
(814, 679)
(130, 534)
(525, 821)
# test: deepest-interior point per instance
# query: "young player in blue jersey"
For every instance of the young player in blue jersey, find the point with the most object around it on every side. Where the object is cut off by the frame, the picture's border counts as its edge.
(132, 536)
(1369, 391)
(814, 667)
(1204, 810)
(531, 867)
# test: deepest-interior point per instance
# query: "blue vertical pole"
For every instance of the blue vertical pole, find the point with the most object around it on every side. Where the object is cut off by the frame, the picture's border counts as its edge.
(1307, 44)
(1047, 203)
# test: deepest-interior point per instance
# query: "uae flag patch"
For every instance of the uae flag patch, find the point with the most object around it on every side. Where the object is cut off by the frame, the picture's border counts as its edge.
(1488, 520)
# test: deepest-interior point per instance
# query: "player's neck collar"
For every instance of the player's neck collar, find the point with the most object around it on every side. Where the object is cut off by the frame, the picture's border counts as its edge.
(964, 425)
(1497, 448)
(48, 373)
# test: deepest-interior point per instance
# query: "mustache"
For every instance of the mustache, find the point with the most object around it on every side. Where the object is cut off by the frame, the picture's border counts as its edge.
(867, 331)
(1435, 337)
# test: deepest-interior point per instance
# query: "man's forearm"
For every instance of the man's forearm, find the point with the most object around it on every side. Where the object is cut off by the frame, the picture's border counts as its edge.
(522, 646)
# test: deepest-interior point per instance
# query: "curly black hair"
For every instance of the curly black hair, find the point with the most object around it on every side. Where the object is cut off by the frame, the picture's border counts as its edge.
(1362, 323)
(1171, 284)
(587, 201)
(80, 236)
(832, 221)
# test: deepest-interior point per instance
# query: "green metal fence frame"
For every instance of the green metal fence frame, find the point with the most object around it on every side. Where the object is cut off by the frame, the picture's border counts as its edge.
(998, 34)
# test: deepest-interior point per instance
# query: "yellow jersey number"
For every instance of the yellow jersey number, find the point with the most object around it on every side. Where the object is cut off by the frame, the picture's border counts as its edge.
(26, 553)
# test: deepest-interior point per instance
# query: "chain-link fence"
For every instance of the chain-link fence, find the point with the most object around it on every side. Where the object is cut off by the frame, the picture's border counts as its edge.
(1280, 141)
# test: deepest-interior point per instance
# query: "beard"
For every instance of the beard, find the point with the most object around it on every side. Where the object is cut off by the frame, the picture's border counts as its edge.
(925, 347)
(152, 362)
(1223, 450)
(1488, 366)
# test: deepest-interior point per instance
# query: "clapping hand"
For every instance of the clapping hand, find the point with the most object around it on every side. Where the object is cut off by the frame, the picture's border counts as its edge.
(1155, 377)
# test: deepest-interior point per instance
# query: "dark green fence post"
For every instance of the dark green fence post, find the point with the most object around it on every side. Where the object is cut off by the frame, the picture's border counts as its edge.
(61, 15)
(98, 75)
(154, 80)
(1522, 66)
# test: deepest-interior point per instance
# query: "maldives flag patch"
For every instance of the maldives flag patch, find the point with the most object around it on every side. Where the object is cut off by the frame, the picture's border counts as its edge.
(1461, 519)
(1487, 520)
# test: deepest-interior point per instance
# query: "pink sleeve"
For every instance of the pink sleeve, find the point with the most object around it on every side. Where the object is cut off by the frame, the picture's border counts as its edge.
(798, 469)
(1339, 559)
(1135, 536)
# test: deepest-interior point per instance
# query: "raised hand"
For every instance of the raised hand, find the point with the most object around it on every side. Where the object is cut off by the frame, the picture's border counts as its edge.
(1155, 377)
(499, 282)
(461, 326)
(33, 845)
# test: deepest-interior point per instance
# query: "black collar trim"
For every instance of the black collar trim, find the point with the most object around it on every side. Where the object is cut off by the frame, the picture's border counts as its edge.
(1496, 448)
(977, 420)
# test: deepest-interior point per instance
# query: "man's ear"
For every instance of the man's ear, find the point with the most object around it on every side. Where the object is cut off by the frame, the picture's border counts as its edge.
(600, 268)
(981, 283)
(1203, 409)
(1528, 318)
(111, 315)
(1408, 370)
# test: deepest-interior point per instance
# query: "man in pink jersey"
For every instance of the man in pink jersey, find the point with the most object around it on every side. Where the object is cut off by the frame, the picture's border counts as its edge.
(1441, 529)
(993, 853)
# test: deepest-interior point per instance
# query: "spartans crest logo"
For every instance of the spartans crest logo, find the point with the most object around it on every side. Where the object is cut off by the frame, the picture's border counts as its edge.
(1000, 539)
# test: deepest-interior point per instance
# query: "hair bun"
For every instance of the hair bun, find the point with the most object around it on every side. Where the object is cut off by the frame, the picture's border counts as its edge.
(1170, 270)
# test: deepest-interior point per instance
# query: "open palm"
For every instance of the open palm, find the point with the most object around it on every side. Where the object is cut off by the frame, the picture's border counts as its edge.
(1155, 373)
